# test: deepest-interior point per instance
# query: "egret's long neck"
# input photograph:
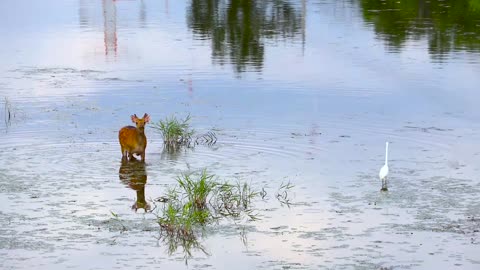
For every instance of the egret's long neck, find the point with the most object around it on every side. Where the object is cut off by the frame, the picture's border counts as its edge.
(386, 153)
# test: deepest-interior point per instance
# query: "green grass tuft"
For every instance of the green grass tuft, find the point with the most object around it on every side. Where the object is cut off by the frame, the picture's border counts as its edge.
(175, 132)
(199, 200)
(198, 190)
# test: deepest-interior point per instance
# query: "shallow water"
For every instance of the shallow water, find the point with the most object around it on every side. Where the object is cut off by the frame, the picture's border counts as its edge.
(300, 91)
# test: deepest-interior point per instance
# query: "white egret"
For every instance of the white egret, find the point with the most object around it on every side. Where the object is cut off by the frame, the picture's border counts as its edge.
(384, 170)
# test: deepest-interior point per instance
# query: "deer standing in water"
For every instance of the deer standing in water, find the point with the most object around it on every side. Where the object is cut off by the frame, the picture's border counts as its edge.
(132, 139)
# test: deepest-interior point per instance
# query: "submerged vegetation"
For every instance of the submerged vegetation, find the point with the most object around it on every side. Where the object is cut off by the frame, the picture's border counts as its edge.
(186, 205)
(282, 194)
(117, 219)
(8, 112)
(11, 113)
(177, 133)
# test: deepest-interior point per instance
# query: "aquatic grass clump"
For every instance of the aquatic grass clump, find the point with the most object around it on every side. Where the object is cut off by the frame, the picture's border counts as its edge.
(200, 199)
(175, 132)
(178, 220)
(197, 191)
(186, 205)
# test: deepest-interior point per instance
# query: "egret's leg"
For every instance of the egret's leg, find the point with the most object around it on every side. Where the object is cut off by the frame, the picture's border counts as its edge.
(384, 184)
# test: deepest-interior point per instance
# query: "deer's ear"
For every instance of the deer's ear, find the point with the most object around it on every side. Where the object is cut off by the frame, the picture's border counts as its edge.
(146, 117)
(134, 118)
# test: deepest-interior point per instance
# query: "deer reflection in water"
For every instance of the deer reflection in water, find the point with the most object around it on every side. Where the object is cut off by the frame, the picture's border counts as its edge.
(133, 174)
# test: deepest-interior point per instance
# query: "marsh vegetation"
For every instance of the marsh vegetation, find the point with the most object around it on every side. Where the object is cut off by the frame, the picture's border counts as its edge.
(177, 133)
(201, 199)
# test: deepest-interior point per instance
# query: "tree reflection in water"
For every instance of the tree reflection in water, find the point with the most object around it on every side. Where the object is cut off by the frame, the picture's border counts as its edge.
(238, 29)
(447, 25)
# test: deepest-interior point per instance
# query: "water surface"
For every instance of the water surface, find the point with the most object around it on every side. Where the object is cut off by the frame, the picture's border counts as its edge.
(299, 91)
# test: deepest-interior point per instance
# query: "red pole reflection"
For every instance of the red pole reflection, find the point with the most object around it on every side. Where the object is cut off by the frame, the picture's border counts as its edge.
(110, 26)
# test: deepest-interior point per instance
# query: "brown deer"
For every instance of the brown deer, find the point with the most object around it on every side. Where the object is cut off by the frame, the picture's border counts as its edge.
(132, 139)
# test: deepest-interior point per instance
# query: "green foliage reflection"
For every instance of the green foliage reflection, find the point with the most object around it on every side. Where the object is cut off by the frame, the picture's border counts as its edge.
(238, 29)
(448, 25)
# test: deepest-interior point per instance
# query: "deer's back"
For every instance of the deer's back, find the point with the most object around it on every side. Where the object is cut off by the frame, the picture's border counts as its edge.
(130, 137)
